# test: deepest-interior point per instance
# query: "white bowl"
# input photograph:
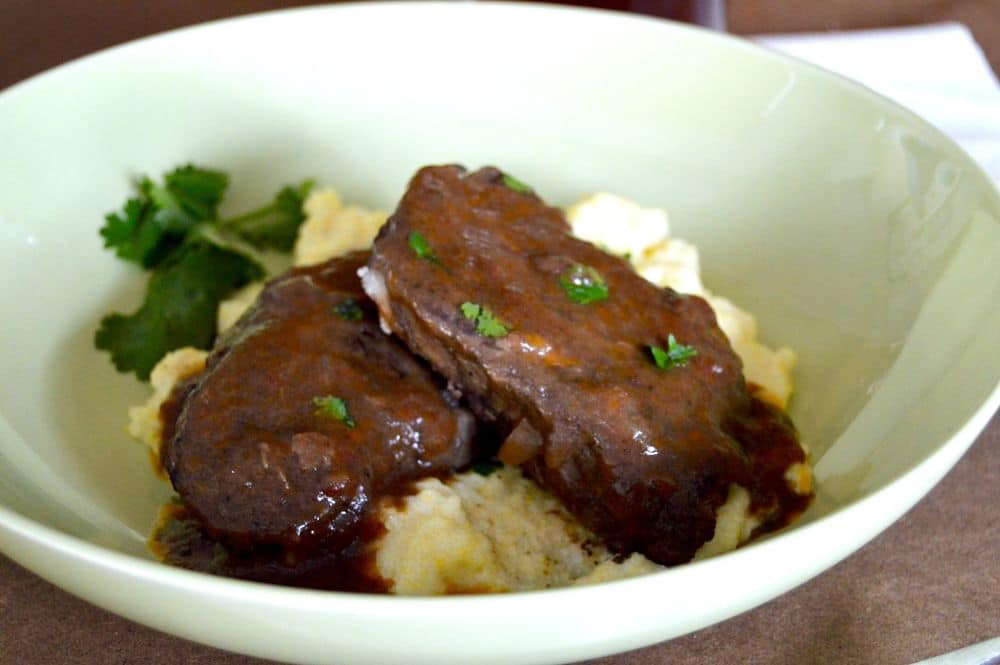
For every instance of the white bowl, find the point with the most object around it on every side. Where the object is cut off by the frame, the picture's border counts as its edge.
(859, 235)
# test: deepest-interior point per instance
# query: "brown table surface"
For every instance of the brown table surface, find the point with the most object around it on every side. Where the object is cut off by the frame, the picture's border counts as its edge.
(929, 584)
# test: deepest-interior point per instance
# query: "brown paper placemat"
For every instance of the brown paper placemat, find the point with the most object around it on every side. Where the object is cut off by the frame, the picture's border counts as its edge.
(929, 584)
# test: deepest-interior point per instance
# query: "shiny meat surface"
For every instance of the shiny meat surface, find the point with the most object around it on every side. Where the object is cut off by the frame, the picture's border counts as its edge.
(477, 275)
(306, 415)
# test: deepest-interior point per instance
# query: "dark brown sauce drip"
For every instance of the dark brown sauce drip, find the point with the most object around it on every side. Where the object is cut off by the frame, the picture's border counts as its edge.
(771, 442)
(765, 434)
(179, 539)
(261, 463)
(643, 455)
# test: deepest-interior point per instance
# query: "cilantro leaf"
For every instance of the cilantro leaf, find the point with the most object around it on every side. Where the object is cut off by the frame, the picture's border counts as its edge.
(487, 324)
(172, 227)
(152, 225)
(198, 191)
(276, 224)
(179, 309)
(510, 182)
(134, 236)
(333, 407)
(189, 195)
(349, 310)
(583, 284)
(676, 355)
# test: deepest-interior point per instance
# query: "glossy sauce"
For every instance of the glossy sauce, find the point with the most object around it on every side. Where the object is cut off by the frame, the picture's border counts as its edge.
(642, 455)
(305, 418)
(179, 539)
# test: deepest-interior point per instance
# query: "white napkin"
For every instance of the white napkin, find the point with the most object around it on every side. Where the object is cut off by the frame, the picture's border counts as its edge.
(937, 71)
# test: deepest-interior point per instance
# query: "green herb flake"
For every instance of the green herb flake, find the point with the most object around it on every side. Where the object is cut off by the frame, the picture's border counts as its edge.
(333, 407)
(486, 467)
(471, 310)
(676, 354)
(510, 182)
(418, 243)
(349, 310)
(487, 324)
(583, 284)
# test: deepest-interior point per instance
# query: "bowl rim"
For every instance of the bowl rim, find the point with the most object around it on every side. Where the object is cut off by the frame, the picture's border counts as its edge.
(929, 470)
(926, 473)
(743, 43)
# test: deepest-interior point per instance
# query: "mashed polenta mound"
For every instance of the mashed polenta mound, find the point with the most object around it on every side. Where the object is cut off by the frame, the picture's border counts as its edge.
(498, 532)
(642, 236)
(332, 229)
(475, 534)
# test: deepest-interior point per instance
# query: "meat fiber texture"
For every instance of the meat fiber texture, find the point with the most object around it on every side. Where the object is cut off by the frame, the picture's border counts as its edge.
(503, 532)
(474, 272)
(305, 415)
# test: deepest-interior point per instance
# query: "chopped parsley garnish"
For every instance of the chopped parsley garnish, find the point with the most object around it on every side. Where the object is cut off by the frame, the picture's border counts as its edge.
(583, 284)
(349, 310)
(173, 229)
(486, 467)
(676, 355)
(487, 324)
(510, 182)
(418, 243)
(333, 407)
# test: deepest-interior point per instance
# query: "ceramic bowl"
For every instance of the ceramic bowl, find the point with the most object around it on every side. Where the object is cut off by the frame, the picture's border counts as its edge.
(859, 235)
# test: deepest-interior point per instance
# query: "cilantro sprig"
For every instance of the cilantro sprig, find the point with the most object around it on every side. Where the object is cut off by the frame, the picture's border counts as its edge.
(583, 284)
(276, 224)
(675, 355)
(487, 324)
(155, 222)
(172, 228)
(333, 407)
(179, 309)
